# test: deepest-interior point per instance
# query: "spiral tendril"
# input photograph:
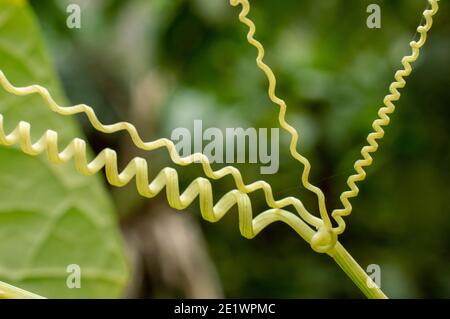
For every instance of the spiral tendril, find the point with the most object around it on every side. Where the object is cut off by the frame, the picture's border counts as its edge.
(321, 240)
(167, 178)
(383, 119)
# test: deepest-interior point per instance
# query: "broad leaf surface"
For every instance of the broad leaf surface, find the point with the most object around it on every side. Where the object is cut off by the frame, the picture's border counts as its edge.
(50, 216)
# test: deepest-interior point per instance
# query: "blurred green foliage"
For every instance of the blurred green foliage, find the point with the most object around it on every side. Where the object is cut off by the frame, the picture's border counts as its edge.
(333, 72)
(50, 215)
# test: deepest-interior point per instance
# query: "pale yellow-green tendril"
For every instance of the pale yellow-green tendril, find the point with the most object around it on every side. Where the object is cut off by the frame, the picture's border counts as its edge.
(324, 239)
(168, 178)
(383, 119)
(377, 124)
(325, 236)
(320, 242)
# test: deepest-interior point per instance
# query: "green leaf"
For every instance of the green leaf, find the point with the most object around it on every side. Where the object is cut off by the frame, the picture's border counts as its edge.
(50, 215)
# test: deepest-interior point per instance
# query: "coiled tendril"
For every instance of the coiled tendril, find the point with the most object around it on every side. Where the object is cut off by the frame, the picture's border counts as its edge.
(324, 239)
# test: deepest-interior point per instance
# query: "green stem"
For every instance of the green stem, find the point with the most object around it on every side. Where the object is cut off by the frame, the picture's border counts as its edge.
(356, 273)
(11, 292)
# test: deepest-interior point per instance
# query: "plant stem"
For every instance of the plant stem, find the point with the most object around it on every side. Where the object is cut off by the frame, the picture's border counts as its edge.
(356, 273)
(11, 292)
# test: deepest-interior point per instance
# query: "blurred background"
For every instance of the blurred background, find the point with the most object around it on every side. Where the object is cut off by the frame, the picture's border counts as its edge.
(161, 64)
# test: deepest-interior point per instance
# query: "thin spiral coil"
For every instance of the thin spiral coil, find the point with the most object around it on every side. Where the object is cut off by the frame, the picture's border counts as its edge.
(159, 143)
(167, 178)
(243, 17)
(383, 119)
(378, 133)
(321, 241)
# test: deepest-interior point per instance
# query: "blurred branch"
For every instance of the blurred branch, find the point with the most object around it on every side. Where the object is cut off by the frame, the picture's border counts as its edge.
(10, 292)
(169, 253)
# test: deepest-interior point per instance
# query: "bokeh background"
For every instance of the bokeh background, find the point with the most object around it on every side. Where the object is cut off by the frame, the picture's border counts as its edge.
(161, 64)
